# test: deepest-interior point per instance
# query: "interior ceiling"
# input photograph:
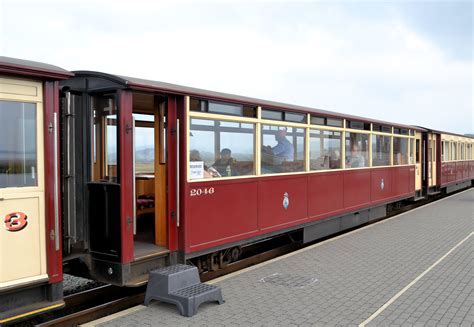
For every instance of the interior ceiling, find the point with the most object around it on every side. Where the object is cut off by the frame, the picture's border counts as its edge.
(143, 102)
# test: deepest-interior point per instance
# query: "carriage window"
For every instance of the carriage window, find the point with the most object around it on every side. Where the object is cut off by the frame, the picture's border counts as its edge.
(144, 143)
(294, 117)
(221, 148)
(381, 150)
(357, 125)
(334, 122)
(325, 150)
(400, 151)
(357, 150)
(18, 149)
(282, 149)
(412, 147)
(223, 108)
(105, 139)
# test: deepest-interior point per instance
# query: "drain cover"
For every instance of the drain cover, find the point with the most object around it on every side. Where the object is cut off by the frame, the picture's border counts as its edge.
(289, 280)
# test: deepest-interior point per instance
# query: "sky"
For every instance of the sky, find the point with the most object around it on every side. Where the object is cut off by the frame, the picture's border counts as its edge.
(401, 61)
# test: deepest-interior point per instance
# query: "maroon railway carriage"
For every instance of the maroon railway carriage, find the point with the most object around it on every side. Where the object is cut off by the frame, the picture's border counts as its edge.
(30, 235)
(455, 161)
(115, 176)
(164, 173)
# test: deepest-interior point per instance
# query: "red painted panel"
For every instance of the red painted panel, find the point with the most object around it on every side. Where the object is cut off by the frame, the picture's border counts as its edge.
(444, 173)
(381, 184)
(228, 210)
(356, 188)
(325, 193)
(271, 196)
(465, 172)
(51, 106)
(459, 169)
(401, 178)
(452, 172)
(471, 169)
(126, 174)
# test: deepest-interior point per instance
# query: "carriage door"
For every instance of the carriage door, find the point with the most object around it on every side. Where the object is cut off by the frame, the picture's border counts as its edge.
(431, 142)
(418, 155)
(150, 179)
(22, 212)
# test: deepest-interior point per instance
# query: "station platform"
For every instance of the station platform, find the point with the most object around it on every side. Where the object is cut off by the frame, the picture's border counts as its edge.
(415, 268)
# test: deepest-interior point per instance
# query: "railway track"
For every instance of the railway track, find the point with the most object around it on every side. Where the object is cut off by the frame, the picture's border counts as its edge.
(105, 300)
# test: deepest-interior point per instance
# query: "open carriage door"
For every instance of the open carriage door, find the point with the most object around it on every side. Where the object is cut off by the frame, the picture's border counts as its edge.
(150, 175)
(160, 172)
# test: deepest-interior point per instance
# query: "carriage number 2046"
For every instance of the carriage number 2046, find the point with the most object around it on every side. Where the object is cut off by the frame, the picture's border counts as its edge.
(202, 191)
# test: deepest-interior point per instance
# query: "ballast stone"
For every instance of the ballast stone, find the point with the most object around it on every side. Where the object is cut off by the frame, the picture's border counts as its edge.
(180, 285)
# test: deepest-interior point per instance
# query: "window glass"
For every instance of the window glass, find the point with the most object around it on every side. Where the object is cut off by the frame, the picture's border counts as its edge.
(318, 120)
(294, 117)
(105, 136)
(387, 129)
(334, 122)
(144, 144)
(357, 150)
(18, 148)
(221, 148)
(225, 108)
(222, 108)
(282, 149)
(272, 114)
(198, 105)
(356, 124)
(400, 151)
(325, 150)
(381, 150)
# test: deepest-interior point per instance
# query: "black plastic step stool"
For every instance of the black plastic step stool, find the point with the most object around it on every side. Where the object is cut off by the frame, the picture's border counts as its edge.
(180, 285)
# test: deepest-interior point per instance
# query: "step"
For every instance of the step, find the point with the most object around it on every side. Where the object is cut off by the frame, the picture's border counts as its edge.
(181, 286)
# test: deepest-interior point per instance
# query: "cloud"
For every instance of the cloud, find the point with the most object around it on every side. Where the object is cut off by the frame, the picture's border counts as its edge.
(319, 55)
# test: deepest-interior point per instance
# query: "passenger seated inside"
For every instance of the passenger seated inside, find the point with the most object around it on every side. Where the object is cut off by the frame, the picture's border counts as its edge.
(195, 156)
(356, 159)
(225, 165)
(283, 151)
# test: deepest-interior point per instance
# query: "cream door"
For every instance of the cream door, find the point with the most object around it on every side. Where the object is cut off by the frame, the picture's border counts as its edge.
(22, 212)
(418, 155)
(431, 160)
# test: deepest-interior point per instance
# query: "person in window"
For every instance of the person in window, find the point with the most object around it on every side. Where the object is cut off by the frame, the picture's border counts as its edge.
(194, 156)
(283, 151)
(356, 159)
(225, 165)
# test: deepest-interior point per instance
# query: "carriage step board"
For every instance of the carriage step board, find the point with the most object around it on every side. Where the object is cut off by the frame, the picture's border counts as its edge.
(180, 285)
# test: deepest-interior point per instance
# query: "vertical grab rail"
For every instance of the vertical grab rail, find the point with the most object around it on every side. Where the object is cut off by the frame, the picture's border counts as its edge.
(56, 186)
(177, 174)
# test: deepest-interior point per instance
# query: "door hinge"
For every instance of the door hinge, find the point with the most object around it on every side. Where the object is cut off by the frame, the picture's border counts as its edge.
(50, 127)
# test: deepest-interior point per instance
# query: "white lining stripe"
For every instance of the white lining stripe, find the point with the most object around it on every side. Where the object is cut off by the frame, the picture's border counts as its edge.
(394, 298)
